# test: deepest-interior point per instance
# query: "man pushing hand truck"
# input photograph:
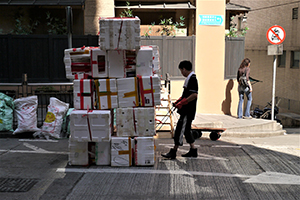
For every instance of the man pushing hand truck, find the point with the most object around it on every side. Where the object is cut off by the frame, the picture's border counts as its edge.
(186, 108)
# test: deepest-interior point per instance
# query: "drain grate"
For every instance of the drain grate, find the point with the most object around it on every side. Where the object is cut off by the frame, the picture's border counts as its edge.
(16, 184)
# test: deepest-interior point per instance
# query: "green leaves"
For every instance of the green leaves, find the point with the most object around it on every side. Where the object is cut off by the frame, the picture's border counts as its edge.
(234, 32)
(169, 27)
(56, 25)
(23, 28)
(127, 12)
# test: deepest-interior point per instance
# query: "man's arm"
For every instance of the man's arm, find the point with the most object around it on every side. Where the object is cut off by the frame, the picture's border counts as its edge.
(192, 97)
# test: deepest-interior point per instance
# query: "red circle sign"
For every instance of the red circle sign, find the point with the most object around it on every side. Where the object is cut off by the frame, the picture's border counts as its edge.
(276, 34)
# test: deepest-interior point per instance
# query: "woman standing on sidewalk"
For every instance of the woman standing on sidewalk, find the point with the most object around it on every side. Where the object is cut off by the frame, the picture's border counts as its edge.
(244, 69)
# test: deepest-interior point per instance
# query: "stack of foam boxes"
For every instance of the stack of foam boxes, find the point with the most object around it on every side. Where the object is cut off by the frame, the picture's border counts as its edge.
(115, 83)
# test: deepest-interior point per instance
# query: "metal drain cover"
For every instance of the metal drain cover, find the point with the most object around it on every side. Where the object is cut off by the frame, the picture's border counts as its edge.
(16, 184)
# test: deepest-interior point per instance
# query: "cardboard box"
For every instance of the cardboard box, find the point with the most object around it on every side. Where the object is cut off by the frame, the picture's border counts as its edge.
(121, 151)
(119, 33)
(103, 153)
(138, 121)
(91, 125)
(78, 153)
(149, 90)
(144, 151)
(106, 93)
(127, 92)
(83, 94)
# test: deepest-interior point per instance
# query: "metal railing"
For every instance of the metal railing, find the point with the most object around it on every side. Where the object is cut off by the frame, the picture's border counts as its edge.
(62, 91)
(289, 104)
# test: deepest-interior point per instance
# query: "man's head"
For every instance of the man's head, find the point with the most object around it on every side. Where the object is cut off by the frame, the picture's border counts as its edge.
(185, 67)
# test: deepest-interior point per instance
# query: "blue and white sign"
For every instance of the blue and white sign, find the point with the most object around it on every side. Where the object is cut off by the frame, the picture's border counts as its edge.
(212, 20)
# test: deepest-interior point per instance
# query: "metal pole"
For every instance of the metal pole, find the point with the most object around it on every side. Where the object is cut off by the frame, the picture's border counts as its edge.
(274, 81)
(69, 25)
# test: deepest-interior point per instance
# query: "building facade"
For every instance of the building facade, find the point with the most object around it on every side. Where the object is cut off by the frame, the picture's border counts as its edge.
(215, 91)
(263, 15)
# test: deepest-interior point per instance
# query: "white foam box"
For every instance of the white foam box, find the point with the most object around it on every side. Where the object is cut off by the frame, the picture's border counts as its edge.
(78, 153)
(144, 62)
(106, 93)
(144, 118)
(83, 94)
(144, 151)
(116, 63)
(119, 33)
(127, 92)
(125, 122)
(155, 57)
(149, 90)
(121, 151)
(138, 121)
(90, 126)
(103, 153)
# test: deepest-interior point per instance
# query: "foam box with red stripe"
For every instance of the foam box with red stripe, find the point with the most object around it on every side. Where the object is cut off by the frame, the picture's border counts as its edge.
(90, 125)
(139, 121)
(119, 33)
(149, 90)
(83, 94)
(85, 61)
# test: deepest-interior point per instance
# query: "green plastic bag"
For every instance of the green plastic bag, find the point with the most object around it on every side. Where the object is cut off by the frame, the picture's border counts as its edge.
(65, 127)
(6, 112)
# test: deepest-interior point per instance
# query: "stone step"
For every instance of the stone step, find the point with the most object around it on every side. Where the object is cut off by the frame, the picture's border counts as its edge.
(267, 126)
(262, 133)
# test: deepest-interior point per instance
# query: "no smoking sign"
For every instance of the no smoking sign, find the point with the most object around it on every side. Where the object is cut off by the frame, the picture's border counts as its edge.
(276, 34)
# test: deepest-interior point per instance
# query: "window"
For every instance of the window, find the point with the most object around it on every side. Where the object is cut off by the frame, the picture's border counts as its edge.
(295, 13)
(240, 23)
(234, 54)
(295, 58)
(281, 59)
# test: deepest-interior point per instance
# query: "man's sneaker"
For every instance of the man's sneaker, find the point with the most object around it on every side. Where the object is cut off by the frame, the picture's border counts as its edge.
(171, 154)
(191, 153)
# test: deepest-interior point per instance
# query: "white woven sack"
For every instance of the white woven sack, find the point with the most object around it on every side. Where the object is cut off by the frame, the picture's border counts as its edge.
(56, 111)
(25, 109)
